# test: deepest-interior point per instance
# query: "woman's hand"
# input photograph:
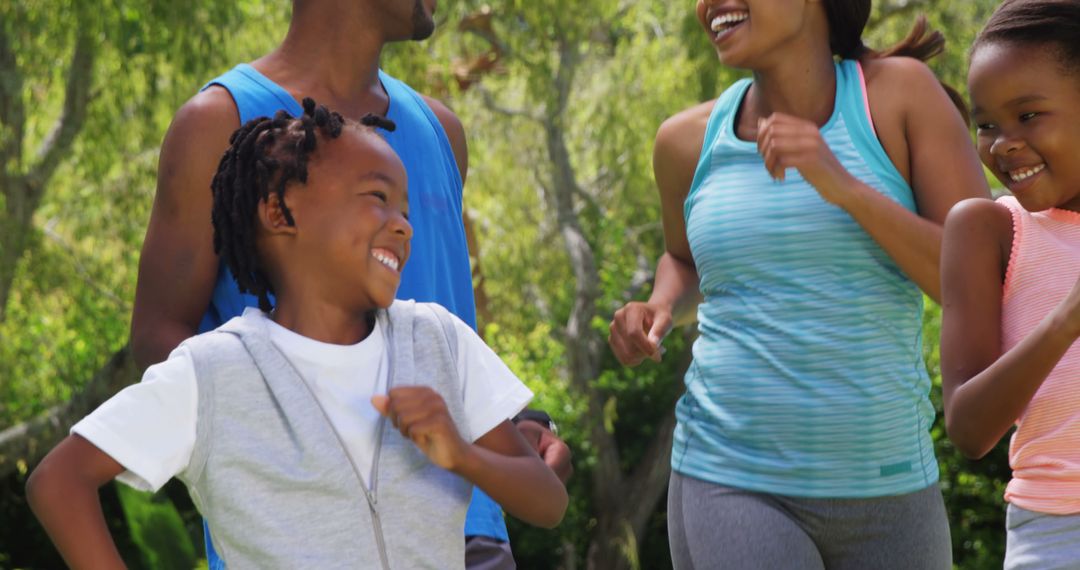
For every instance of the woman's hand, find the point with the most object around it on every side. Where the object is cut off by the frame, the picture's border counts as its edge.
(420, 414)
(637, 330)
(790, 142)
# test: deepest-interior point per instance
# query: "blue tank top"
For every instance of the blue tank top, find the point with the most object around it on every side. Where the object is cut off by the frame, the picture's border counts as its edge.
(438, 269)
(807, 377)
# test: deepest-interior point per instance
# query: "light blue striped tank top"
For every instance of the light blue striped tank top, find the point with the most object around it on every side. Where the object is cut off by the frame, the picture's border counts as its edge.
(808, 377)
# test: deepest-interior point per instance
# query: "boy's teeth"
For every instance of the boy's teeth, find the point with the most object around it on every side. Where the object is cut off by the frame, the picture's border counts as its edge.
(1025, 173)
(388, 261)
(726, 20)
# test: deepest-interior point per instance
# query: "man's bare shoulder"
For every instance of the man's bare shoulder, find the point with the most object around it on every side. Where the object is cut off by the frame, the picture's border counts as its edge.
(207, 115)
(449, 120)
(196, 139)
(455, 132)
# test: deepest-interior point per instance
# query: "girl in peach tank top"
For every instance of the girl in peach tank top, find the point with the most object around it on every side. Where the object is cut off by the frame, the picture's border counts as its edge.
(1043, 268)
(1011, 278)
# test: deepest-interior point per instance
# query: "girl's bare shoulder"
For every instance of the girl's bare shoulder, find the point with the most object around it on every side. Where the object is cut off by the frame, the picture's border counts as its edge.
(978, 222)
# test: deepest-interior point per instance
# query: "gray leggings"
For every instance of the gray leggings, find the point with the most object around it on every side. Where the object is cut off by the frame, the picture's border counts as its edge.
(712, 526)
(1038, 541)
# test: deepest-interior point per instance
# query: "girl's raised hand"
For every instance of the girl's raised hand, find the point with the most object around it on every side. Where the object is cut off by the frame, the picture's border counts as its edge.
(420, 414)
(637, 330)
(790, 142)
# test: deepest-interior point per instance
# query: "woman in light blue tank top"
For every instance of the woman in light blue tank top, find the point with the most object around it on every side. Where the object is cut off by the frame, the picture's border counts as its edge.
(802, 215)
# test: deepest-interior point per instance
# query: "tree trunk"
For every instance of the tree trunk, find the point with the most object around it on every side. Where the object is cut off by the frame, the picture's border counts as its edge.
(623, 502)
(15, 227)
(23, 191)
(614, 544)
(12, 135)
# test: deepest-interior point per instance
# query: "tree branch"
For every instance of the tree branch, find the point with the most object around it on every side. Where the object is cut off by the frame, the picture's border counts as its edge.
(76, 99)
(643, 275)
(589, 200)
(583, 345)
(605, 175)
(492, 105)
(649, 480)
(23, 445)
(543, 187)
(121, 305)
(481, 25)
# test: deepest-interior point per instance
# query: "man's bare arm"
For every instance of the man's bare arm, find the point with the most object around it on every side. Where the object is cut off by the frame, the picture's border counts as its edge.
(178, 267)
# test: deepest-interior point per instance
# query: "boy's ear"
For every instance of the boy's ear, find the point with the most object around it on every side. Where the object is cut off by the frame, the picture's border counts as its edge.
(272, 216)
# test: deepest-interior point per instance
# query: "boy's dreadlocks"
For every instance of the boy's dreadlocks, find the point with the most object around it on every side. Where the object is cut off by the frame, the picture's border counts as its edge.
(266, 155)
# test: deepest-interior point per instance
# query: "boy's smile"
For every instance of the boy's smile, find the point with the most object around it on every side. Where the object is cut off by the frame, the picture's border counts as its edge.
(388, 258)
(351, 235)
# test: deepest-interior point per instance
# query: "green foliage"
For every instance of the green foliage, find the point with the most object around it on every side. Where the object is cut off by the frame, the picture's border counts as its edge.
(73, 286)
(639, 62)
(157, 529)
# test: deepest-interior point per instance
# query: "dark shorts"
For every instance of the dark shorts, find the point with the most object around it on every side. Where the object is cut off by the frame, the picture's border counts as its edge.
(486, 553)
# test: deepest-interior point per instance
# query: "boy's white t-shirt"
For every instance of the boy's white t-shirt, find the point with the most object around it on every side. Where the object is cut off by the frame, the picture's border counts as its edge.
(149, 427)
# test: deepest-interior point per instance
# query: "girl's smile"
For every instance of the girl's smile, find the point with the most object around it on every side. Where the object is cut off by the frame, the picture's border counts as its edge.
(1023, 177)
(1027, 107)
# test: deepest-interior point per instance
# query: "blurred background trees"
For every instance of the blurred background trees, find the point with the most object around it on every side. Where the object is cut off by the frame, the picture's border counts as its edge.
(560, 100)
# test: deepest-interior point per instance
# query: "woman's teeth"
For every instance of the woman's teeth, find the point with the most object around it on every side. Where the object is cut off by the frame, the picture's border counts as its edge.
(729, 20)
(1021, 174)
(387, 260)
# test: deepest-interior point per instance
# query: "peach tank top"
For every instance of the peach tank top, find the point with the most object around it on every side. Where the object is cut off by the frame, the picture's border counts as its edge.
(1045, 449)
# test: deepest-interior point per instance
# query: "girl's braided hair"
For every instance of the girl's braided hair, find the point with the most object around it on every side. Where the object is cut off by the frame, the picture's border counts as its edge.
(1051, 23)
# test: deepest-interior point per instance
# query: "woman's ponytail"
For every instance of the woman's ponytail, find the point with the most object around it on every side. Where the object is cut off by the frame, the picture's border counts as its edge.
(921, 43)
(847, 20)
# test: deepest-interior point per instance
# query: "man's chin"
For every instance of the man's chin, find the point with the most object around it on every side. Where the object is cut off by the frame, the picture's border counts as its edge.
(423, 30)
(423, 21)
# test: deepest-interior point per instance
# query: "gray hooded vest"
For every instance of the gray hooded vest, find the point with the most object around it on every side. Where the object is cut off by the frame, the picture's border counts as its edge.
(273, 479)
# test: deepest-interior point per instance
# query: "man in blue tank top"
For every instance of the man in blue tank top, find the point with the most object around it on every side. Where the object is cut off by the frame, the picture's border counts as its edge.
(331, 53)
